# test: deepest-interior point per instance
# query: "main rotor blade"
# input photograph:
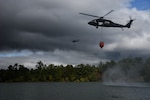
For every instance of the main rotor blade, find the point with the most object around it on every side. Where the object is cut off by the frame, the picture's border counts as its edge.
(108, 13)
(89, 15)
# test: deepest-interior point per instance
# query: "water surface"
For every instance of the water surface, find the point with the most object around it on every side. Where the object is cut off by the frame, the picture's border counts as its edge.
(72, 91)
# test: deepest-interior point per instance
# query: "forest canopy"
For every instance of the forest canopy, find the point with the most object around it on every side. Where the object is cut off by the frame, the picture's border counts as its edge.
(133, 69)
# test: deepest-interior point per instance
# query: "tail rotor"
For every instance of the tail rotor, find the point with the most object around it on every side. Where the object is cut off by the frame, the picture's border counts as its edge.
(130, 22)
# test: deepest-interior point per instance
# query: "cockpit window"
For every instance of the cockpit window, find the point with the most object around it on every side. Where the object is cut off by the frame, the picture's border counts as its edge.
(107, 22)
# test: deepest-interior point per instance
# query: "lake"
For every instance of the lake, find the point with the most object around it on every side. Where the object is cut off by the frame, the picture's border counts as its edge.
(72, 91)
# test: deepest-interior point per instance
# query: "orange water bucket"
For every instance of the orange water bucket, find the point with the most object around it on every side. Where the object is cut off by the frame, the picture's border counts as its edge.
(101, 44)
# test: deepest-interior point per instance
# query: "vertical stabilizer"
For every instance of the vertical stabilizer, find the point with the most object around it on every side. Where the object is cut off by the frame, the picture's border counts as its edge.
(129, 23)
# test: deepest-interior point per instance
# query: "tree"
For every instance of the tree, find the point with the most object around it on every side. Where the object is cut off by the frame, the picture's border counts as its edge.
(40, 65)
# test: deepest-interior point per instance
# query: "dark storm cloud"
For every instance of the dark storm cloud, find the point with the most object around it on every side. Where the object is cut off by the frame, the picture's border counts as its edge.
(35, 25)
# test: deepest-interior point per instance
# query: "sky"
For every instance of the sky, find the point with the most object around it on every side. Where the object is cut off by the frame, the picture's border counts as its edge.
(43, 30)
(141, 5)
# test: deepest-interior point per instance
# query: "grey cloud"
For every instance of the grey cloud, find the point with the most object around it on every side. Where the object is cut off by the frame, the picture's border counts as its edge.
(51, 19)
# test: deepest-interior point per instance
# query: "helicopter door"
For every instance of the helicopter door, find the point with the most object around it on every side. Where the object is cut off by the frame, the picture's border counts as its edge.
(100, 23)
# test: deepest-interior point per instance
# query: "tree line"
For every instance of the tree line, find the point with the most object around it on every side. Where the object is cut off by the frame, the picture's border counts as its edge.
(78, 73)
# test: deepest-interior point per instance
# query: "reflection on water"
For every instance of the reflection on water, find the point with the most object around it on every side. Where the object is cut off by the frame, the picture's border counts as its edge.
(72, 91)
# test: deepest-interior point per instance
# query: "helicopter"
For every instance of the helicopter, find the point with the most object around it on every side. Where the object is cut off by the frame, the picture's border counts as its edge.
(74, 41)
(102, 22)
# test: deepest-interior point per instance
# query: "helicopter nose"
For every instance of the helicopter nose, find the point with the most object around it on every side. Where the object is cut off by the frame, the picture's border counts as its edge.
(90, 23)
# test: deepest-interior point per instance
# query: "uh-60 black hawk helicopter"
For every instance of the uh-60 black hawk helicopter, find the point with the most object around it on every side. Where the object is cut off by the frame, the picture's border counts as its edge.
(102, 22)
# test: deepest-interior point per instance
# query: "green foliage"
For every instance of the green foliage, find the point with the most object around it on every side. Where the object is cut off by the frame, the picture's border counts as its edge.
(50, 73)
(70, 73)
